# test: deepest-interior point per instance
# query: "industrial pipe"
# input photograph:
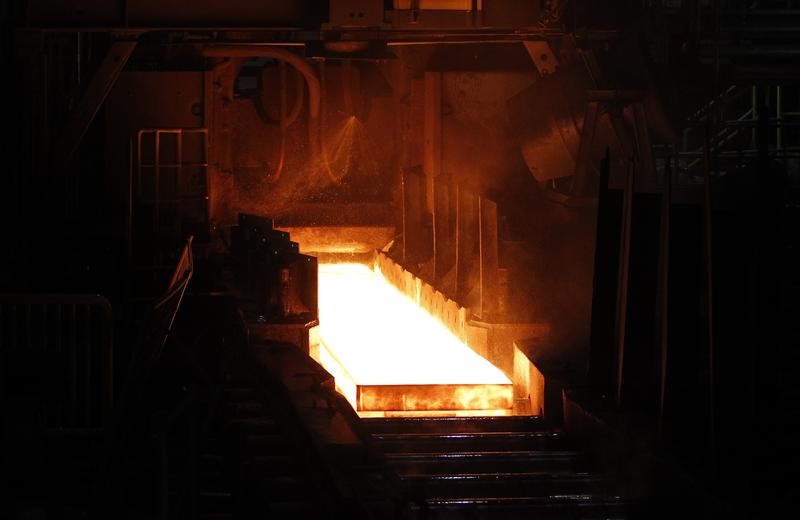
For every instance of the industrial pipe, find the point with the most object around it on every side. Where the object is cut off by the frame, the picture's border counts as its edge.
(297, 106)
(302, 66)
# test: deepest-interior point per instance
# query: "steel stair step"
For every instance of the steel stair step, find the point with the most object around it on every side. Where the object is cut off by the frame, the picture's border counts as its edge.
(482, 441)
(246, 409)
(455, 424)
(264, 444)
(503, 485)
(554, 507)
(215, 502)
(483, 462)
(272, 465)
(256, 425)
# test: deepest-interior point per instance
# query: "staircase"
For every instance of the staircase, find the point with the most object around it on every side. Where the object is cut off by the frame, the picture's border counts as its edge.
(491, 467)
(254, 464)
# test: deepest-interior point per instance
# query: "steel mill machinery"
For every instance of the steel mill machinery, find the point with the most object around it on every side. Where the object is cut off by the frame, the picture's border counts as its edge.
(399, 259)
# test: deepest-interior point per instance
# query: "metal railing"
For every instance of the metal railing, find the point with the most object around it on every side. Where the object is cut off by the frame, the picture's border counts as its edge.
(132, 408)
(169, 157)
(158, 323)
(73, 333)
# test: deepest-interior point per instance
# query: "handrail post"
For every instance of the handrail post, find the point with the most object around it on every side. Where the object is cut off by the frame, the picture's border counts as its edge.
(663, 287)
(624, 269)
(193, 454)
(164, 481)
(709, 301)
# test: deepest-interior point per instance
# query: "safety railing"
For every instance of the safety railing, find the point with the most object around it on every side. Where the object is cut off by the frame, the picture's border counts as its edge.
(70, 336)
(171, 174)
(132, 408)
(158, 324)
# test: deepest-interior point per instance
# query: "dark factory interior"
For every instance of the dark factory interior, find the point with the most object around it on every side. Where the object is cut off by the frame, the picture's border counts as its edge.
(414, 259)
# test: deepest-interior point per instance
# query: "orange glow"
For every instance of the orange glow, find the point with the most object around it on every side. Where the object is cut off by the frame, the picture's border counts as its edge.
(373, 339)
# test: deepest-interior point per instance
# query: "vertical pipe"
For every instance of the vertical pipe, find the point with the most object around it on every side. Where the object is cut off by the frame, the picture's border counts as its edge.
(139, 136)
(206, 160)
(709, 300)
(2, 350)
(164, 498)
(157, 186)
(28, 329)
(104, 367)
(129, 202)
(622, 283)
(754, 113)
(78, 61)
(87, 388)
(46, 405)
(73, 365)
(13, 339)
(192, 462)
(778, 118)
(663, 282)
(178, 177)
(59, 349)
(717, 36)
(43, 326)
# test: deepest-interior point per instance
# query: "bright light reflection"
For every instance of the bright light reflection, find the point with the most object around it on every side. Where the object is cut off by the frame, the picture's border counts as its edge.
(380, 337)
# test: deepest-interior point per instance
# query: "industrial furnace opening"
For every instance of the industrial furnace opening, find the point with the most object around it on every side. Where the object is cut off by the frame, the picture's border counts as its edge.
(389, 356)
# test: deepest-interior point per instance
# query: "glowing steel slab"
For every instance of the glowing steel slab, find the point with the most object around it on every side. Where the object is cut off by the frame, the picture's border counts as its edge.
(433, 397)
(386, 353)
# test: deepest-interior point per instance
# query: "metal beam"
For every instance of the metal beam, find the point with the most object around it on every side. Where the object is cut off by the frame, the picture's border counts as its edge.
(93, 98)
(443, 229)
(421, 397)
(466, 236)
(623, 278)
(582, 172)
(489, 261)
(432, 134)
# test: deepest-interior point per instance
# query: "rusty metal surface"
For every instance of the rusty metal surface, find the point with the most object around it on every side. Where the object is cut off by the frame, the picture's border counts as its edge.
(542, 56)
(299, 334)
(340, 239)
(434, 397)
(491, 340)
(298, 213)
(413, 197)
(490, 296)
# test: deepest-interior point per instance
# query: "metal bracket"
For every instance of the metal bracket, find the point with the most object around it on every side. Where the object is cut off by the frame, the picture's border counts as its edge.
(93, 98)
(542, 55)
